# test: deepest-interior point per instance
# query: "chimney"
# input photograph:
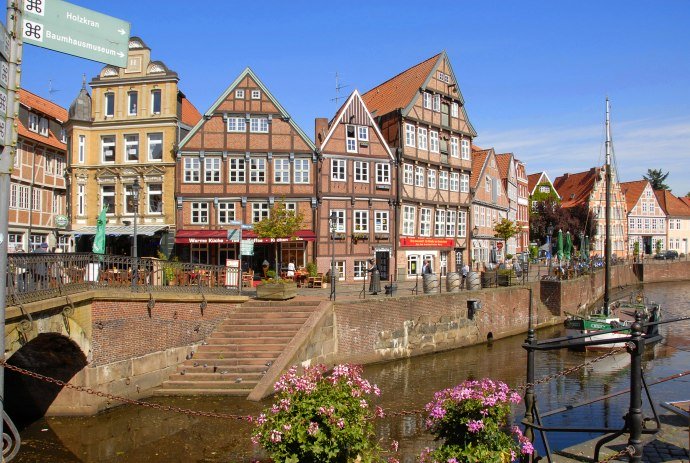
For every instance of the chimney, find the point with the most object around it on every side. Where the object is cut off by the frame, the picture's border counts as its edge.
(320, 130)
(566, 176)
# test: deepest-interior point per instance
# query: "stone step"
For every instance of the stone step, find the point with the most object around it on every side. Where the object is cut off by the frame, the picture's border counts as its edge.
(268, 316)
(244, 356)
(184, 384)
(241, 392)
(253, 325)
(232, 366)
(235, 334)
(239, 340)
(289, 309)
(220, 376)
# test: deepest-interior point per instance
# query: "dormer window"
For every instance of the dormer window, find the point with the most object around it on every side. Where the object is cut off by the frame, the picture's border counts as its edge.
(155, 101)
(33, 122)
(43, 126)
(239, 94)
(363, 133)
(109, 104)
(256, 94)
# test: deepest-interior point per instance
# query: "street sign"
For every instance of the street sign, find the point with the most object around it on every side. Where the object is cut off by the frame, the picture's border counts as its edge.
(247, 226)
(234, 235)
(235, 223)
(246, 248)
(499, 245)
(4, 73)
(77, 31)
(61, 221)
(5, 42)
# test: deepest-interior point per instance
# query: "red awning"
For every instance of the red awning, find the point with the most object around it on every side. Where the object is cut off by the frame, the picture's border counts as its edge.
(202, 237)
(300, 235)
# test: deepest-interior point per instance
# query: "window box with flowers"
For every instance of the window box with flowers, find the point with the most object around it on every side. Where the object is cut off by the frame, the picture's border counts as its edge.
(381, 236)
(356, 237)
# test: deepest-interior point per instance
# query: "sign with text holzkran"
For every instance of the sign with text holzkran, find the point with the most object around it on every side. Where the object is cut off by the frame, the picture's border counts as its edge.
(77, 31)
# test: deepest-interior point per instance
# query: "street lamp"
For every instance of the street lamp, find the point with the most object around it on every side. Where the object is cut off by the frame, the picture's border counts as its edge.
(333, 222)
(135, 254)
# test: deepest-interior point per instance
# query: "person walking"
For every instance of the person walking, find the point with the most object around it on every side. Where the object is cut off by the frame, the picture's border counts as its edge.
(375, 282)
(464, 271)
(426, 268)
(40, 268)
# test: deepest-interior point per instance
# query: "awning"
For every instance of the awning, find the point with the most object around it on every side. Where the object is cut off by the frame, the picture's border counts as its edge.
(202, 237)
(300, 235)
(117, 230)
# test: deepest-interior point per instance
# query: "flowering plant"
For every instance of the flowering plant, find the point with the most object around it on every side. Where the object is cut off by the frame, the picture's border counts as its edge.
(472, 420)
(320, 417)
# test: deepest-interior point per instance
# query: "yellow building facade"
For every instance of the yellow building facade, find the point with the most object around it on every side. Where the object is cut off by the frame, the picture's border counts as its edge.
(125, 133)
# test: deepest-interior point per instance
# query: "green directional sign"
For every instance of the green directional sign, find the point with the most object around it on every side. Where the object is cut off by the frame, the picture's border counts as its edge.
(77, 31)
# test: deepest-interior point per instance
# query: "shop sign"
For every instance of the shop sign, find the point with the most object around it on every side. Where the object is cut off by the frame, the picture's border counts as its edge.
(427, 242)
(276, 240)
(247, 247)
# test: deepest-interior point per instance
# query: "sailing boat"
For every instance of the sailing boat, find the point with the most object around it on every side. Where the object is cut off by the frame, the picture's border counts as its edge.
(605, 319)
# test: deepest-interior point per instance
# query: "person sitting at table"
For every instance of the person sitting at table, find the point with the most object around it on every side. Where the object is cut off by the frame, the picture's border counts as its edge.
(264, 267)
(291, 269)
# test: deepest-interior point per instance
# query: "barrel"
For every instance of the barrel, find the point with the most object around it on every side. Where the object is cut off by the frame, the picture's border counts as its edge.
(473, 281)
(453, 282)
(430, 283)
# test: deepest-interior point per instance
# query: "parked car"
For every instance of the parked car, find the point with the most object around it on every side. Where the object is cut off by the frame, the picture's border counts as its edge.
(667, 255)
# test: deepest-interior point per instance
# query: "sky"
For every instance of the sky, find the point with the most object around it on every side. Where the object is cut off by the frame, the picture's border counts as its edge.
(534, 75)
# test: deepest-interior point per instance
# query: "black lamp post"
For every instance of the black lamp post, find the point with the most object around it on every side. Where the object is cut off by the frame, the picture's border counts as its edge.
(135, 253)
(333, 222)
(549, 234)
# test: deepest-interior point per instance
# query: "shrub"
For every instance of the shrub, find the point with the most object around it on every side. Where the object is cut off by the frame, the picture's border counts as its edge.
(319, 417)
(312, 269)
(472, 420)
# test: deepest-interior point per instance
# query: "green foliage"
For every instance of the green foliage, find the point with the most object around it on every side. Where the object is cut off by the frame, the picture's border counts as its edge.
(636, 248)
(658, 246)
(280, 223)
(656, 177)
(506, 229)
(168, 266)
(509, 256)
(312, 269)
(533, 252)
(271, 274)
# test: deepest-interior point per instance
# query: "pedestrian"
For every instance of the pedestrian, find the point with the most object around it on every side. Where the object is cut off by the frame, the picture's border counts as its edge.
(464, 271)
(291, 269)
(426, 268)
(264, 267)
(20, 271)
(375, 282)
(40, 269)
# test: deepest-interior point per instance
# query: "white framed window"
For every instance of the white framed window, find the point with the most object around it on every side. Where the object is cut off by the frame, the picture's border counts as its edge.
(383, 173)
(454, 147)
(258, 125)
(464, 183)
(108, 198)
(408, 176)
(132, 148)
(409, 135)
(23, 202)
(109, 103)
(408, 220)
(487, 184)
(465, 149)
(454, 109)
(156, 101)
(361, 171)
(192, 166)
(260, 211)
(132, 103)
(422, 138)
(226, 212)
(155, 198)
(43, 126)
(63, 135)
(14, 188)
(482, 216)
(338, 170)
(50, 161)
(81, 150)
(426, 100)
(413, 266)
(340, 220)
(257, 170)
(351, 139)
(437, 103)
(199, 213)
(281, 170)
(236, 124)
(33, 122)
(424, 221)
(239, 94)
(155, 141)
(431, 178)
(419, 176)
(212, 169)
(454, 181)
(256, 94)
(340, 266)
(360, 222)
(381, 222)
(236, 170)
(443, 180)
(301, 170)
(37, 199)
(462, 223)
(362, 133)
(433, 141)
(108, 149)
(15, 241)
(360, 269)
(81, 200)
(440, 223)
(451, 219)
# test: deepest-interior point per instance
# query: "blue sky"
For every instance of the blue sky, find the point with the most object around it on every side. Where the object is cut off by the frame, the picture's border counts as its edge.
(534, 75)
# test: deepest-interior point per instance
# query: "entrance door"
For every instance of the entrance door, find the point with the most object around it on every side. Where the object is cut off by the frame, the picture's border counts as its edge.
(458, 259)
(383, 263)
(443, 263)
(225, 253)
(647, 243)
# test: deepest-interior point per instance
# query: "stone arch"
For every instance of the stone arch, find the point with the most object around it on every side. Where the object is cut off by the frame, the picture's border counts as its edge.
(50, 354)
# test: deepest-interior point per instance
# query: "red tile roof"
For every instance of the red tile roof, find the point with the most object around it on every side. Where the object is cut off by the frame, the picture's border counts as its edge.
(190, 115)
(503, 162)
(532, 180)
(41, 105)
(685, 199)
(632, 191)
(399, 91)
(671, 205)
(574, 189)
(50, 140)
(478, 160)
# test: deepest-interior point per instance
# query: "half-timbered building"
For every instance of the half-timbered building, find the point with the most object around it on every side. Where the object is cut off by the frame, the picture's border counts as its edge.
(421, 113)
(245, 155)
(646, 218)
(508, 171)
(356, 189)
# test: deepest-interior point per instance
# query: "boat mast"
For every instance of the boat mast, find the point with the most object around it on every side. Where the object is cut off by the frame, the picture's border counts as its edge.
(607, 242)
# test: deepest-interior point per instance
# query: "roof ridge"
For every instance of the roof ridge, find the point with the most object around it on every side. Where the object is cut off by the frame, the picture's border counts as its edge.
(435, 57)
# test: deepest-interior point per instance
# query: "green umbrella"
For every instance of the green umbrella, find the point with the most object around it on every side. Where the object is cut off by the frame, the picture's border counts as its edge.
(559, 245)
(586, 249)
(99, 239)
(568, 246)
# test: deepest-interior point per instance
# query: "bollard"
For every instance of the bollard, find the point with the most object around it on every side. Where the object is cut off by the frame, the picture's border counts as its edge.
(636, 349)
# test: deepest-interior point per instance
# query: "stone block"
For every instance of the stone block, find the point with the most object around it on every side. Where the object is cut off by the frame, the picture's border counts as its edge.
(150, 362)
(113, 371)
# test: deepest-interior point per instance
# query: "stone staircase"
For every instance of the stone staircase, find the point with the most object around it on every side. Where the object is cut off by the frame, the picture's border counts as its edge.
(240, 350)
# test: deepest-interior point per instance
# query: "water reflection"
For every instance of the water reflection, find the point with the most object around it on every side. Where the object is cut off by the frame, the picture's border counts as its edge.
(136, 434)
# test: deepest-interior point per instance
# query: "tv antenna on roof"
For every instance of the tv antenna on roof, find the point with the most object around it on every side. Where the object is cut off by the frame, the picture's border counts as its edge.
(338, 86)
(52, 90)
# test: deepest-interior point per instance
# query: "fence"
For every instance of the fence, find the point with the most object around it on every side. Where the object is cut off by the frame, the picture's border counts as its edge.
(34, 277)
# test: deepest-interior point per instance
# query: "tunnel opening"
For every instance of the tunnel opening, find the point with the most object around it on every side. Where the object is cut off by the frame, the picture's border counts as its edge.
(27, 399)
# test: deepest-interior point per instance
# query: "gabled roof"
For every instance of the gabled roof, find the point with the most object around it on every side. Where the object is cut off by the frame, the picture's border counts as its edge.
(671, 205)
(479, 158)
(248, 72)
(190, 115)
(685, 199)
(574, 189)
(397, 92)
(503, 161)
(632, 191)
(333, 124)
(533, 180)
(41, 105)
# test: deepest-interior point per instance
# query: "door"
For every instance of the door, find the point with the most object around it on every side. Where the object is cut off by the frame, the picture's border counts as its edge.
(383, 263)
(647, 242)
(458, 259)
(443, 263)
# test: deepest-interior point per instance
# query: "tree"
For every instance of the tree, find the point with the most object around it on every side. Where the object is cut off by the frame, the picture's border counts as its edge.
(280, 223)
(656, 177)
(576, 219)
(506, 229)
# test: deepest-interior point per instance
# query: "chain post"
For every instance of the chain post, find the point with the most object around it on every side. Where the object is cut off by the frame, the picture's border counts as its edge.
(635, 410)
(529, 391)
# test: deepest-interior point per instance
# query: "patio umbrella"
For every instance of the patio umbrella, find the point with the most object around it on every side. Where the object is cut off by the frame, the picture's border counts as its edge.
(99, 240)
(568, 250)
(559, 245)
(583, 248)
(493, 258)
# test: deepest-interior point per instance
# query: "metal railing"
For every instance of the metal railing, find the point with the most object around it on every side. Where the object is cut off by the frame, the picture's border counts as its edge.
(39, 276)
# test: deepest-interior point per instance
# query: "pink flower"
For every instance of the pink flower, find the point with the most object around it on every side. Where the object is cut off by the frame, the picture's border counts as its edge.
(378, 413)
(527, 448)
(313, 428)
(276, 436)
(475, 426)
(394, 446)
(341, 423)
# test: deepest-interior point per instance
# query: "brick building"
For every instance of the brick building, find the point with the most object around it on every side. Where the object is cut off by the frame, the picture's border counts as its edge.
(508, 174)
(421, 113)
(522, 207)
(677, 219)
(244, 156)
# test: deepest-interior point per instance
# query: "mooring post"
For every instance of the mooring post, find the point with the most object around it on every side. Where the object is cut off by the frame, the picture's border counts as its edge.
(635, 410)
(529, 392)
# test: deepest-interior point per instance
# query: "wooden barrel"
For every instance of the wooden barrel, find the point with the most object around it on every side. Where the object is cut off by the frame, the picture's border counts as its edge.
(473, 281)
(430, 283)
(453, 282)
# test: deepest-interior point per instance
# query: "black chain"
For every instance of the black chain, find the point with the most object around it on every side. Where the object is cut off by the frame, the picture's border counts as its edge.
(627, 451)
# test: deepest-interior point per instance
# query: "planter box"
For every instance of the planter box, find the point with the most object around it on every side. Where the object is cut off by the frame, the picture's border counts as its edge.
(276, 291)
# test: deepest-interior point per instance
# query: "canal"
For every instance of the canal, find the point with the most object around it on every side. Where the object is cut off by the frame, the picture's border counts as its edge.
(140, 434)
